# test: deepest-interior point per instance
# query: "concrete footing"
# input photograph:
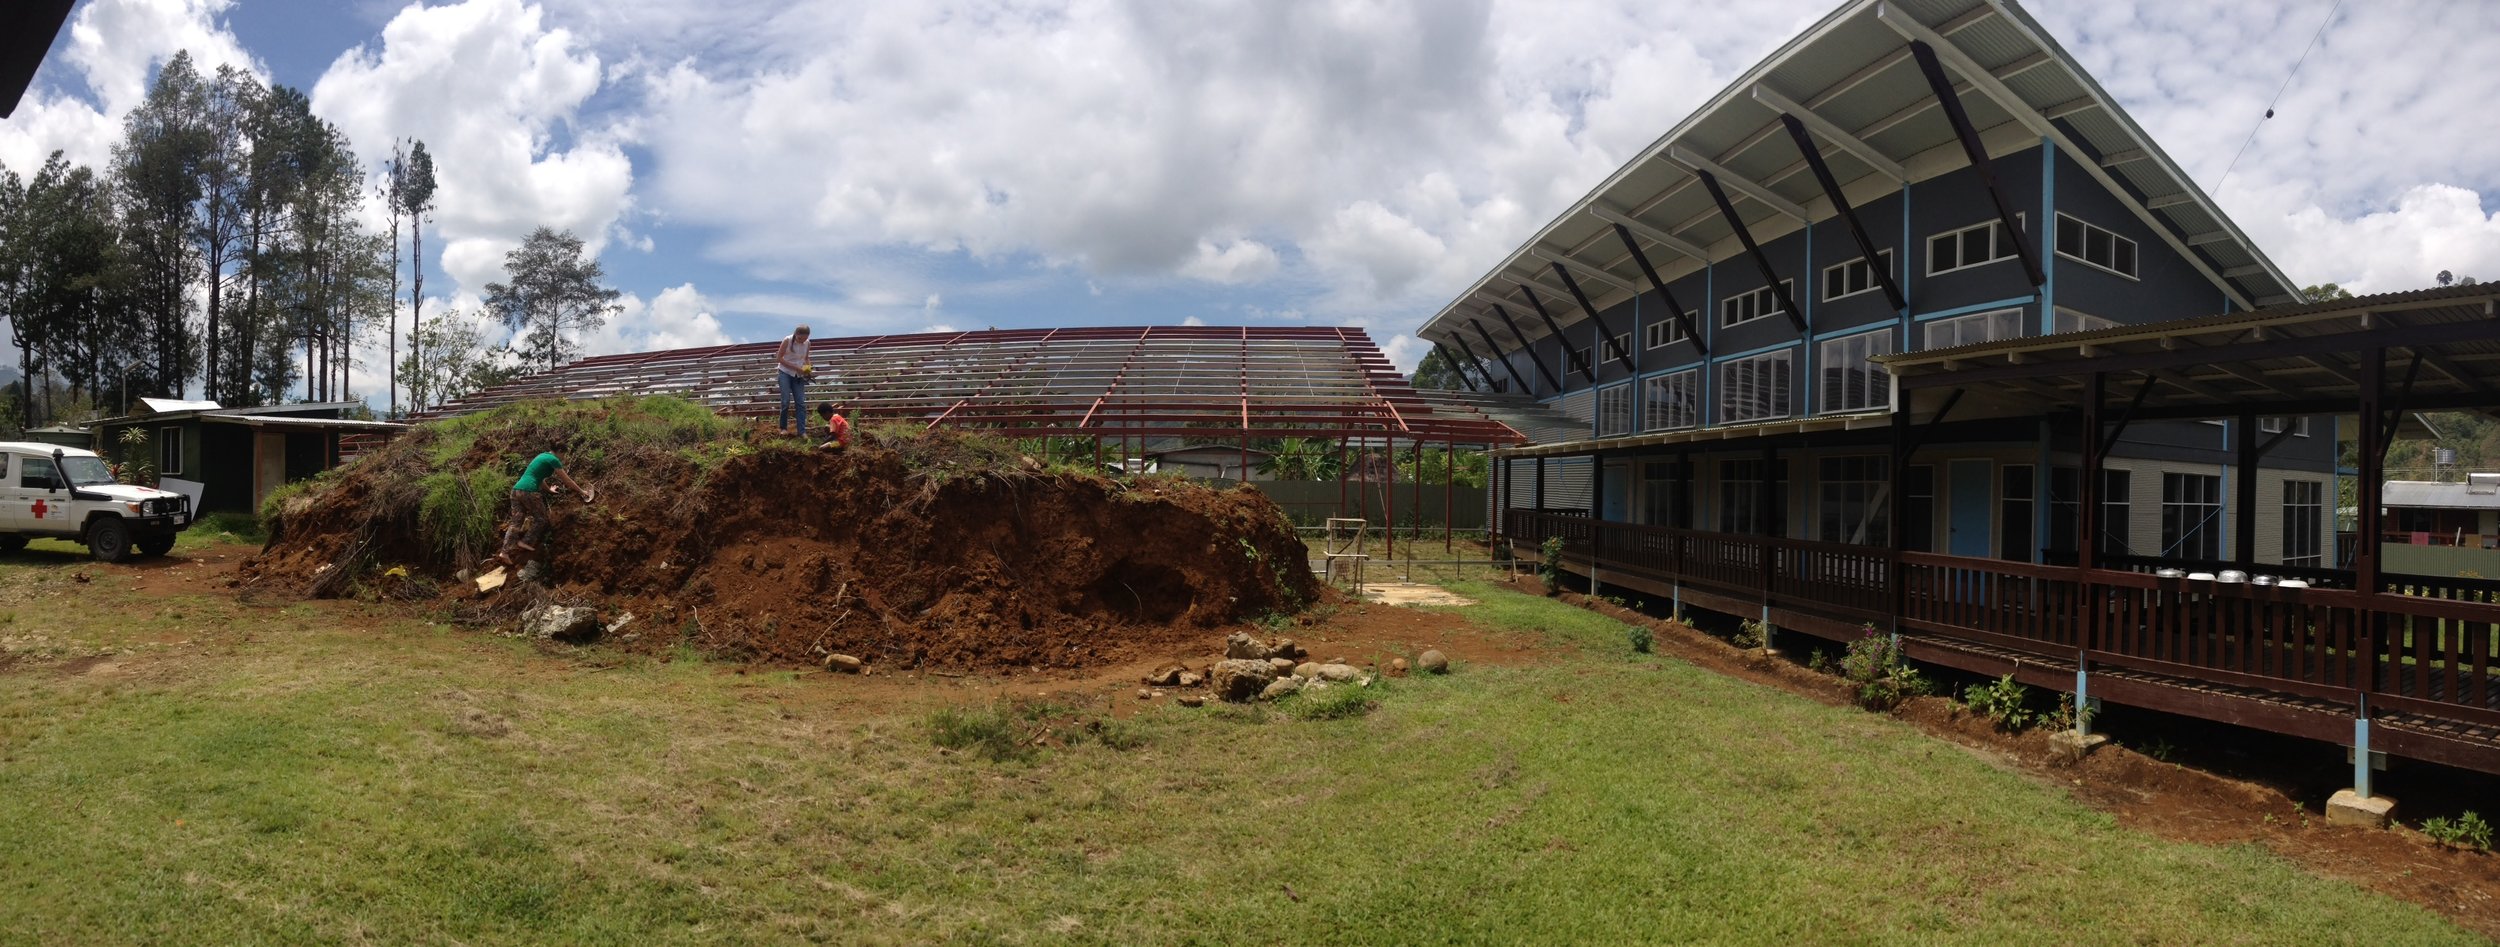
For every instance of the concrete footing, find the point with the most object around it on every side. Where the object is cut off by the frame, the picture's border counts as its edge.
(2347, 807)
(2072, 747)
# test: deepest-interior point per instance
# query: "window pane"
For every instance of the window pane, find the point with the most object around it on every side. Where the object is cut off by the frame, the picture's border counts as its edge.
(2126, 257)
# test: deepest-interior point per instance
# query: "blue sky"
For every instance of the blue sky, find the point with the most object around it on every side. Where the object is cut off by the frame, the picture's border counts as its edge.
(880, 167)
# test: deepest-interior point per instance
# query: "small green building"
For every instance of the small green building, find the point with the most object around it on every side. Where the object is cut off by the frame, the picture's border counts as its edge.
(63, 435)
(237, 456)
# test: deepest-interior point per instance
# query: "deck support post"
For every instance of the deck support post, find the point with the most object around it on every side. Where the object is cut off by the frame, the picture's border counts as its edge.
(2374, 433)
(1772, 501)
(2244, 506)
(1597, 511)
(1896, 512)
(2361, 756)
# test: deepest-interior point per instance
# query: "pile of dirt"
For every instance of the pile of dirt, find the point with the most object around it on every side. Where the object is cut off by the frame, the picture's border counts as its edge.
(909, 549)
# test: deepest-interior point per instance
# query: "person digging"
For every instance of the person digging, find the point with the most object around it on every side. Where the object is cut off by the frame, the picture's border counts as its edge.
(529, 509)
(837, 427)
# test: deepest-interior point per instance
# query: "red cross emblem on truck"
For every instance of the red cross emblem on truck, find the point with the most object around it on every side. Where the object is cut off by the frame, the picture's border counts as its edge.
(38, 509)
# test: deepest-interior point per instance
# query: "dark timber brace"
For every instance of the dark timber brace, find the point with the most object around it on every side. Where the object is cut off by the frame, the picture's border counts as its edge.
(1527, 349)
(1586, 370)
(1770, 277)
(1524, 387)
(1978, 154)
(1849, 215)
(1602, 331)
(1692, 333)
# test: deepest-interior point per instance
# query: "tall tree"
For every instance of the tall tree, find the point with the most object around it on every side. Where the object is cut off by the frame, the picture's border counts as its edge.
(2324, 292)
(164, 143)
(224, 173)
(553, 291)
(416, 199)
(394, 177)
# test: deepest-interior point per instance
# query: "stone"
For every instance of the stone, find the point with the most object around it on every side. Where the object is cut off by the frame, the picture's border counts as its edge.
(533, 571)
(1190, 679)
(844, 663)
(1282, 665)
(1145, 694)
(568, 623)
(1193, 700)
(2072, 747)
(2347, 807)
(1165, 676)
(1339, 673)
(1397, 665)
(1240, 646)
(1306, 669)
(1433, 662)
(1280, 687)
(1240, 679)
(1286, 648)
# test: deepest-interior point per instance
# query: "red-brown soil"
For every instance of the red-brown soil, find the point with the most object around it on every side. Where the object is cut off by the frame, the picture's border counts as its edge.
(2167, 799)
(938, 550)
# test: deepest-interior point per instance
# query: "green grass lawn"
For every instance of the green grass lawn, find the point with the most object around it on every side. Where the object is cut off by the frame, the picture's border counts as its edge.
(274, 777)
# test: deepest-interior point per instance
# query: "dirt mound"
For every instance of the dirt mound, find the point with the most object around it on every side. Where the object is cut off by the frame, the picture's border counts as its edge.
(910, 549)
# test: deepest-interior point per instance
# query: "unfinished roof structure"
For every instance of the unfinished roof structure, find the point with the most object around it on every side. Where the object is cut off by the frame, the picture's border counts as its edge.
(1199, 382)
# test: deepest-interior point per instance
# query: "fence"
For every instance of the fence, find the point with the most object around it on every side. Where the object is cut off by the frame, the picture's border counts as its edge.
(1311, 503)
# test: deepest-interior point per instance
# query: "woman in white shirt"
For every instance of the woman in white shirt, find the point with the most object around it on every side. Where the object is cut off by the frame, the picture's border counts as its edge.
(792, 357)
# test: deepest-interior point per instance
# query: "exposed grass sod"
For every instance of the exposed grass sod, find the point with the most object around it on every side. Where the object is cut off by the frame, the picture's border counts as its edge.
(413, 783)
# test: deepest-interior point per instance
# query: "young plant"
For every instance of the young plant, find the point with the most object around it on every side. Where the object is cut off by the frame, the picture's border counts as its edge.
(1641, 639)
(1874, 667)
(1751, 634)
(2465, 831)
(2002, 702)
(1549, 568)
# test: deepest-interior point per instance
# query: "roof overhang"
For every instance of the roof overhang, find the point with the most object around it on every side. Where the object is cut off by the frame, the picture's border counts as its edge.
(1850, 79)
(27, 28)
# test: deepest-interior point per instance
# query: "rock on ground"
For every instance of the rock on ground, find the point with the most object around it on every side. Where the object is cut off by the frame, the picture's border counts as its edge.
(1433, 662)
(573, 623)
(1280, 688)
(1338, 673)
(1306, 670)
(842, 662)
(1241, 646)
(1240, 680)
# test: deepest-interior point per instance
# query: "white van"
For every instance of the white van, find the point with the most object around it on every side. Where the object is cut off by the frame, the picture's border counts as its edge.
(68, 493)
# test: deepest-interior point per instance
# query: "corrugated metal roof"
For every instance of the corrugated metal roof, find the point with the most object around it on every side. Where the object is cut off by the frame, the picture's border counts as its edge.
(2422, 494)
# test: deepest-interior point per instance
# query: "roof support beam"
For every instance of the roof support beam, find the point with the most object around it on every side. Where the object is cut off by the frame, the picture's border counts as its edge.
(2258, 378)
(1654, 235)
(1831, 189)
(1709, 170)
(2306, 346)
(2116, 158)
(1839, 137)
(1586, 269)
(1603, 331)
(2170, 200)
(2208, 238)
(2242, 272)
(1530, 350)
(1675, 309)
(1770, 277)
(2440, 360)
(1942, 86)
(1490, 345)
(1446, 359)
(1556, 328)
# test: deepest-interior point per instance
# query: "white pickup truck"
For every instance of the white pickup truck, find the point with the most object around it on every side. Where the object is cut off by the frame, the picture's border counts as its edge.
(68, 493)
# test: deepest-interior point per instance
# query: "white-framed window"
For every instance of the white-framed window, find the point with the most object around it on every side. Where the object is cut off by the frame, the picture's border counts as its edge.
(2303, 510)
(1671, 401)
(1755, 304)
(2068, 320)
(1755, 388)
(169, 451)
(2300, 425)
(1854, 277)
(1580, 360)
(2095, 246)
(1847, 381)
(1622, 343)
(2191, 516)
(1614, 410)
(1751, 500)
(1854, 502)
(1971, 329)
(1975, 245)
(1667, 331)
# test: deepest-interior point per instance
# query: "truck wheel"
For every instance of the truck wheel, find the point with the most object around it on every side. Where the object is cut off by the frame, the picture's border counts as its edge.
(156, 545)
(108, 540)
(12, 543)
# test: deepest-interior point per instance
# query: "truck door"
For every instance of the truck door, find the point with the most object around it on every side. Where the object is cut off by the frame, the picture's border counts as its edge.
(33, 503)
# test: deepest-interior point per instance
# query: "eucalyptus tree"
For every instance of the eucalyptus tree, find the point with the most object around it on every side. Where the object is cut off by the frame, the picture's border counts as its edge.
(553, 290)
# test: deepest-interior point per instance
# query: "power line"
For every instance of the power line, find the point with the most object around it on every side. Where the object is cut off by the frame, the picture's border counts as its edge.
(2278, 94)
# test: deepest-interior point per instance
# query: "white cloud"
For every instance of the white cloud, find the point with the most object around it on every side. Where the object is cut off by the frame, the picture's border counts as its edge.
(497, 96)
(1232, 264)
(114, 49)
(677, 318)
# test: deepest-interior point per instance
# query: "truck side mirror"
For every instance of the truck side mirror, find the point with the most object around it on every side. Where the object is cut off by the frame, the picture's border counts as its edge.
(55, 485)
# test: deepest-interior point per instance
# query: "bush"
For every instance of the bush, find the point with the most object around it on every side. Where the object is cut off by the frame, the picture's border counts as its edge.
(1751, 634)
(2465, 831)
(1641, 639)
(2002, 702)
(1549, 568)
(1873, 665)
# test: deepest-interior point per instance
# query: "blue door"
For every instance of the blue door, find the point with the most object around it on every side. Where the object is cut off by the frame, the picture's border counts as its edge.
(1973, 497)
(1618, 503)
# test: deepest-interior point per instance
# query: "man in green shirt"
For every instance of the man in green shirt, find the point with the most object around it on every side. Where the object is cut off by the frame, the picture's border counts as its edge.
(529, 506)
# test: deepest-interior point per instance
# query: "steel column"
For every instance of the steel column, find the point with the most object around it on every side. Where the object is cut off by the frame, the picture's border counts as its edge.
(1849, 215)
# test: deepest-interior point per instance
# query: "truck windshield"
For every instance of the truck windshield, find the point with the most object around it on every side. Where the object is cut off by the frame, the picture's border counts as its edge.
(86, 471)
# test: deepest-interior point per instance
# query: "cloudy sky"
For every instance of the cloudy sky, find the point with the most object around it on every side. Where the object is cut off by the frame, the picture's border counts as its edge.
(890, 167)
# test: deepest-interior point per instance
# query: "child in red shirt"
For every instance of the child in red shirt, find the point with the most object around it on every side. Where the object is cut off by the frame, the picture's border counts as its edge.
(837, 427)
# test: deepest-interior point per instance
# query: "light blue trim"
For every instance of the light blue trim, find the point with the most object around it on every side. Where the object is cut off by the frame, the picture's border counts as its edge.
(2006, 303)
(1903, 344)
(1663, 372)
(2361, 757)
(1709, 413)
(2048, 257)
(2083, 699)
(1838, 334)
(1749, 353)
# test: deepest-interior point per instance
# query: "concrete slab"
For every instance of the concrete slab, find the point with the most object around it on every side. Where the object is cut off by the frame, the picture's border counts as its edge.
(2073, 747)
(1412, 595)
(2349, 808)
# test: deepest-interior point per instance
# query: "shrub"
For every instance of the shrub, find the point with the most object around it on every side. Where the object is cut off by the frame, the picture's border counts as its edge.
(1873, 665)
(1751, 634)
(2465, 831)
(1549, 568)
(2002, 702)
(1641, 639)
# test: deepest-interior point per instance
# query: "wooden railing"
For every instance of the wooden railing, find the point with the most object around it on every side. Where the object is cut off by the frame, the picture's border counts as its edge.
(2421, 644)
